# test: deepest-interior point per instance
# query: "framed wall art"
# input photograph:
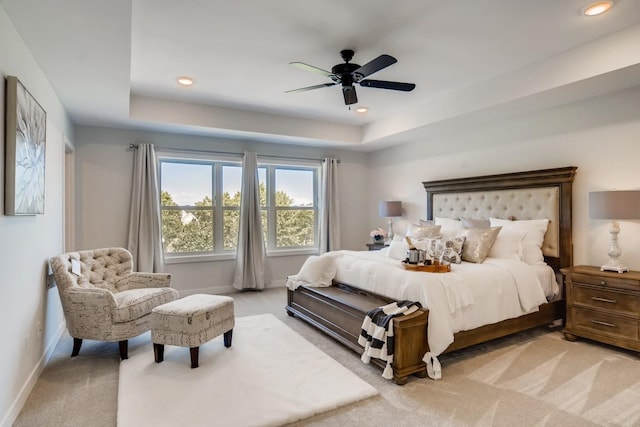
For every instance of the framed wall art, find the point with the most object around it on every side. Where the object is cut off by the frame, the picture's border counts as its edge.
(25, 147)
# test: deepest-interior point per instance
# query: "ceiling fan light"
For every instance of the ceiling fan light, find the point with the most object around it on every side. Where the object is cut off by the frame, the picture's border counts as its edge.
(185, 81)
(597, 8)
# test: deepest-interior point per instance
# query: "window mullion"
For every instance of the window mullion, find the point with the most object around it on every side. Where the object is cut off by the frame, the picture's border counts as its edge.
(218, 211)
(271, 207)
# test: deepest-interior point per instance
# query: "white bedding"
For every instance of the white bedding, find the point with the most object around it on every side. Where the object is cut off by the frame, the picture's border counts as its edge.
(472, 295)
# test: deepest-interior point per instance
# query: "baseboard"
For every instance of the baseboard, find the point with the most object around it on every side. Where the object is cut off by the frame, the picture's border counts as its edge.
(220, 290)
(27, 388)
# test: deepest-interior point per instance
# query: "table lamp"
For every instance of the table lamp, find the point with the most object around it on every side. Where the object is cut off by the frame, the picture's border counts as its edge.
(390, 209)
(614, 205)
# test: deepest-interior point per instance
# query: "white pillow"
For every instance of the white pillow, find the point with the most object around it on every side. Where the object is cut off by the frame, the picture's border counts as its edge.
(317, 270)
(508, 244)
(397, 249)
(535, 230)
(448, 227)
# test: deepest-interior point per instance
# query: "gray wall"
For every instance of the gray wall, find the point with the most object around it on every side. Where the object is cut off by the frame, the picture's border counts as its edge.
(30, 315)
(103, 190)
(600, 136)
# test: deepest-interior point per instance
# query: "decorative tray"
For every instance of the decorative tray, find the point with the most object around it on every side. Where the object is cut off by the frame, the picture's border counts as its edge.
(433, 268)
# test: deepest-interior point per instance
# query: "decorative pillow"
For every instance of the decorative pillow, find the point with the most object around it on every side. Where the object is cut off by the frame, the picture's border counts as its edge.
(426, 222)
(416, 231)
(318, 270)
(535, 230)
(478, 244)
(448, 227)
(508, 244)
(452, 248)
(475, 223)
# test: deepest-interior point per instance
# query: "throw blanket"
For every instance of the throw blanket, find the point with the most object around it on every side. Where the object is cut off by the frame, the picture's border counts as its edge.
(377, 332)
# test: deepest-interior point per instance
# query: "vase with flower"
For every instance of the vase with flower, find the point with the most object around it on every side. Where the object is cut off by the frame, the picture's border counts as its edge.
(378, 236)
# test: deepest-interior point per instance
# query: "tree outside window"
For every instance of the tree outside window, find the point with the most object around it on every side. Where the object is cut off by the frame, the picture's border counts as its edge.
(195, 221)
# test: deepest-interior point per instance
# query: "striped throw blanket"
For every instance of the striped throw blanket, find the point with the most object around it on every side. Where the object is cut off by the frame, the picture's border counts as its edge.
(377, 332)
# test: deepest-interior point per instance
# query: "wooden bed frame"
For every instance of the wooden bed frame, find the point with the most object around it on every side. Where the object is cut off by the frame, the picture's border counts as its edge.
(340, 309)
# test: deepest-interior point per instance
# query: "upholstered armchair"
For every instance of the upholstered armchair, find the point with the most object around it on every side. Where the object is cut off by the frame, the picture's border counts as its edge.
(103, 299)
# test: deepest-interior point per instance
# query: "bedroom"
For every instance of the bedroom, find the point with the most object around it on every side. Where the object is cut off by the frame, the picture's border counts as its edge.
(599, 134)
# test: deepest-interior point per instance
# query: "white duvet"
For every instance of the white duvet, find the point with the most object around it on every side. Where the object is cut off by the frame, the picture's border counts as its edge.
(470, 296)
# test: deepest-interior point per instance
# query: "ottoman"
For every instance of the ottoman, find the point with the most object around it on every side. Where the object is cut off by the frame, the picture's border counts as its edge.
(191, 322)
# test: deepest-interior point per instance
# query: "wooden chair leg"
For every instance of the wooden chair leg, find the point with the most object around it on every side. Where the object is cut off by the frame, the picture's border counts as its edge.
(124, 349)
(194, 356)
(227, 338)
(158, 352)
(77, 343)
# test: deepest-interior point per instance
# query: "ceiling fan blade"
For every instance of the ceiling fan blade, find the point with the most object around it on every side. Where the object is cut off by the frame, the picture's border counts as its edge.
(311, 68)
(304, 89)
(377, 64)
(349, 93)
(382, 84)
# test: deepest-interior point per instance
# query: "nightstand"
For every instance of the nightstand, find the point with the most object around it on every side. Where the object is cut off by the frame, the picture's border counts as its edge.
(376, 246)
(603, 306)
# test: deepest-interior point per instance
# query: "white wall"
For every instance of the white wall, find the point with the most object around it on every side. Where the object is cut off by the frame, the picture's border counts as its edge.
(600, 136)
(30, 315)
(103, 191)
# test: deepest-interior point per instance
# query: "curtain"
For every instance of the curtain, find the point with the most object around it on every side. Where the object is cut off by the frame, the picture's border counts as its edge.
(329, 206)
(144, 221)
(251, 260)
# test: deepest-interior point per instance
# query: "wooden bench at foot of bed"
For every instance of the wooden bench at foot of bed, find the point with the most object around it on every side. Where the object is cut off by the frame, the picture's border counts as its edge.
(340, 309)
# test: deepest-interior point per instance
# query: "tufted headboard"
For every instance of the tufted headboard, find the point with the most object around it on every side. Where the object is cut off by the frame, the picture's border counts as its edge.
(522, 195)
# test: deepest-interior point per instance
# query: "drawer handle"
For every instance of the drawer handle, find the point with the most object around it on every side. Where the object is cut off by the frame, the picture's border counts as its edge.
(598, 322)
(603, 283)
(610, 301)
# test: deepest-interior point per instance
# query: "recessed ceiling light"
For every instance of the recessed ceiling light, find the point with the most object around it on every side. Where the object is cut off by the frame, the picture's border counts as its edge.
(361, 110)
(597, 8)
(185, 81)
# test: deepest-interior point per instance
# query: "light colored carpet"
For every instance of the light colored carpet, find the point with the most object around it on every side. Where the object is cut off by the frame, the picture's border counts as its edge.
(541, 381)
(533, 378)
(269, 376)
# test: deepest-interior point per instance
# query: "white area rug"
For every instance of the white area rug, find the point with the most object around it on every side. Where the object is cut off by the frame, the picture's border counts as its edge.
(269, 376)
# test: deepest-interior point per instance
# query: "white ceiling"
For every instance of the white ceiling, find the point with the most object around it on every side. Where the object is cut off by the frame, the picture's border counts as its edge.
(115, 63)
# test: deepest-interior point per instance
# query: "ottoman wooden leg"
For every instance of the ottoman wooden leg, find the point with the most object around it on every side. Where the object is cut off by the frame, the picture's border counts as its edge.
(227, 338)
(158, 352)
(194, 356)
(124, 349)
(77, 343)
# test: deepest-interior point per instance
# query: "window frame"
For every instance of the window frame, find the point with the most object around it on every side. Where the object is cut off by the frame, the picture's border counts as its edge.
(272, 165)
(218, 161)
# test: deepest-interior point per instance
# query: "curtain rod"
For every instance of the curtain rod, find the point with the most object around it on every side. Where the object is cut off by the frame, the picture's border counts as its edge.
(187, 150)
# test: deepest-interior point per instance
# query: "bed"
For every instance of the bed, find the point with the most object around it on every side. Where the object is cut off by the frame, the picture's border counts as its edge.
(339, 309)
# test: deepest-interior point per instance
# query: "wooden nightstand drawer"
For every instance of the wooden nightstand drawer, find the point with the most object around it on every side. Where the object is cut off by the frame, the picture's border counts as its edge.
(606, 299)
(603, 306)
(606, 280)
(605, 324)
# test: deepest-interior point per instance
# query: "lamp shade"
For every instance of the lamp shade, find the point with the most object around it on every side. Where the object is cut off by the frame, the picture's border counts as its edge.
(390, 208)
(614, 205)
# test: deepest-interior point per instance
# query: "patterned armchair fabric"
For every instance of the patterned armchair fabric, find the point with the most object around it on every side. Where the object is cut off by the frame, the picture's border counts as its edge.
(107, 301)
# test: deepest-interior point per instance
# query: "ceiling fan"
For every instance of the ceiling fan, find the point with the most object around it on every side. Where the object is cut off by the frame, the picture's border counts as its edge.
(348, 74)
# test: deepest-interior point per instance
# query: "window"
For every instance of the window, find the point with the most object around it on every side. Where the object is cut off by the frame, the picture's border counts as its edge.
(200, 206)
(289, 206)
